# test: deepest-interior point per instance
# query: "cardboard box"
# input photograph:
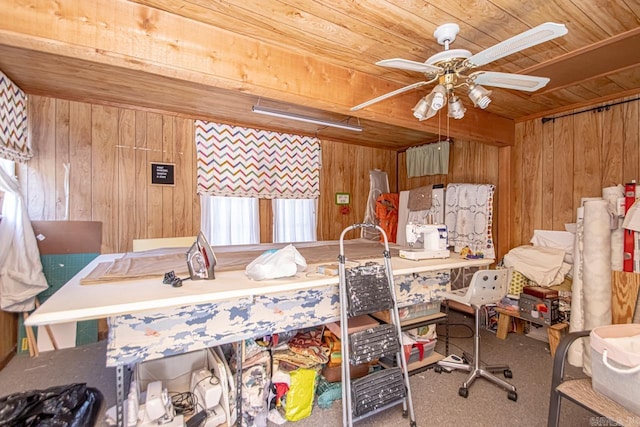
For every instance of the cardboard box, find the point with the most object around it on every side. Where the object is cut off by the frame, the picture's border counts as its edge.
(355, 324)
(334, 373)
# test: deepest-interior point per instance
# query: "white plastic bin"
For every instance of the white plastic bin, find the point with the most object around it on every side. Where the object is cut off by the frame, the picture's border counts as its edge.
(615, 363)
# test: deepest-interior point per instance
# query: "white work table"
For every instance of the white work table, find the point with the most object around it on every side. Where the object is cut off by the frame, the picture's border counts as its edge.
(150, 320)
(76, 302)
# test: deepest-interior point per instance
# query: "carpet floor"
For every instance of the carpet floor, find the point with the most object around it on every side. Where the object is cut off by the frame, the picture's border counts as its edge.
(435, 395)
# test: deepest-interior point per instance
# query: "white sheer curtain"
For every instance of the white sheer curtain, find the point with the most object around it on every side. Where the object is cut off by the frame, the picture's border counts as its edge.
(294, 220)
(230, 220)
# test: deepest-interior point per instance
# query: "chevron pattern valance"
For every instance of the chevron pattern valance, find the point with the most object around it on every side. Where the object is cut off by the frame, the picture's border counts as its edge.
(245, 162)
(14, 144)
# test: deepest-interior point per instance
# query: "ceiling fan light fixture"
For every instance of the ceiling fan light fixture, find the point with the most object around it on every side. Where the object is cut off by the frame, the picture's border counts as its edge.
(456, 109)
(420, 110)
(480, 96)
(438, 97)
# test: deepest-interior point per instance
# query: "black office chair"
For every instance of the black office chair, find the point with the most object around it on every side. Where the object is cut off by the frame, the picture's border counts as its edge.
(486, 287)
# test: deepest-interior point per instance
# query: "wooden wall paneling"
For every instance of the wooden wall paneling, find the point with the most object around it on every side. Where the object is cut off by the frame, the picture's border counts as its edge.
(547, 136)
(502, 205)
(265, 211)
(631, 142)
(457, 168)
(126, 177)
(80, 188)
(140, 211)
(345, 168)
(41, 168)
(561, 210)
(104, 136)
(185, 174)
(154, 192)
(8, 336)
(586, 166)
(532, 180)
(61, 157)
(612, 146)
(168, 205)
(518, 187)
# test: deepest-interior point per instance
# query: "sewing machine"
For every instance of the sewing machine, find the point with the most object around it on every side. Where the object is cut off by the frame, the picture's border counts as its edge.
(434, 241)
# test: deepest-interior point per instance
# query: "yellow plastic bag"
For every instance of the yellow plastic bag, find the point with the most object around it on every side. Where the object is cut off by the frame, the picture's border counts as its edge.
(300, 394)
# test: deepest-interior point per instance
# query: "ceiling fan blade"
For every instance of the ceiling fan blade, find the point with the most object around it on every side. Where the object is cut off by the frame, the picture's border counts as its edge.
(390, 94)
(405, 64)
(509, 81)
(540, 34)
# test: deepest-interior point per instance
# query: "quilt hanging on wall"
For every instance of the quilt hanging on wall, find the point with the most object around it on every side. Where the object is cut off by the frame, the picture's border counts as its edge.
(14, 144)
(245, 162)
(468, 215)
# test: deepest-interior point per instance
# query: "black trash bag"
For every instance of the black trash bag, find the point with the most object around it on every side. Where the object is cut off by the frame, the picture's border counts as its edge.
(74, 405)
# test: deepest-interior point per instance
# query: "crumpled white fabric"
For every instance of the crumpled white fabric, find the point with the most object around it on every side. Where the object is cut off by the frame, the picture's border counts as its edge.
(563, 240)
(273, 264)
(21, 276)
(543, 265)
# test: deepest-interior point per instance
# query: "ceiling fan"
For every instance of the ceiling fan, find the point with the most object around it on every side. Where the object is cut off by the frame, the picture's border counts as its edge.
(450, 69)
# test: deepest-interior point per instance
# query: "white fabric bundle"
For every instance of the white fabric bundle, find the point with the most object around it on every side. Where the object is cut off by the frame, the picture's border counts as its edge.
(541, 264)
(21, 276)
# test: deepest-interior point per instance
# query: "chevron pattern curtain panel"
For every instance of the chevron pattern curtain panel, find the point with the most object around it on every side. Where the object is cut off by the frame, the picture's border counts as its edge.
(245, 162)
(14, 144)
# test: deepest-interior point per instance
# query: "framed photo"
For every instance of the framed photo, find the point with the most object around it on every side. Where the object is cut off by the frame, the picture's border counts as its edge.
(343, 198)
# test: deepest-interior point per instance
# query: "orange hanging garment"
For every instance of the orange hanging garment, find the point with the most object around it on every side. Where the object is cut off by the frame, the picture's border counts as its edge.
(387, 214)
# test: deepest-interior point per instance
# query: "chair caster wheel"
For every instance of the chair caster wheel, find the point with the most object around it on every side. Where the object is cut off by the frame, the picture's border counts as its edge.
(512, 395)
(464, 392)
(508, 373)
(437, 369)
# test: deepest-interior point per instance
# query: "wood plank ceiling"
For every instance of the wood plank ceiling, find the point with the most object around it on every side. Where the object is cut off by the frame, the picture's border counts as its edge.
(215, 59)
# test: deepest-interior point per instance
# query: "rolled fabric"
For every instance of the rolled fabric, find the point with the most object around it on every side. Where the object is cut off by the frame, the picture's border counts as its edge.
(576, 321)
(611, 195)
(596, 280)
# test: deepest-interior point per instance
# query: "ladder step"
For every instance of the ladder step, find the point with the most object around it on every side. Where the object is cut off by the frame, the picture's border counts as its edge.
(377, 390)
(367, 289)
(373, 343)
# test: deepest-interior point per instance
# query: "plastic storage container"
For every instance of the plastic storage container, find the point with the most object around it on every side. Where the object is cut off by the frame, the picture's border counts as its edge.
(615, 363)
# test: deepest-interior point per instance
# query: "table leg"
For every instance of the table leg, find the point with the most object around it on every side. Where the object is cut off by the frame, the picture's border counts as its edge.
(504, 324)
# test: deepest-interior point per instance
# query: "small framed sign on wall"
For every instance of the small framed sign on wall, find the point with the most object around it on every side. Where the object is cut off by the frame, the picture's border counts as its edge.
(343, 198)
(162, 173)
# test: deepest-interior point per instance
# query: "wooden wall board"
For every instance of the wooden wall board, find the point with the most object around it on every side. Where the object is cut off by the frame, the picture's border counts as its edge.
(61, 157)
(605, 147)
(184, 193)
(631, 157)
(560, 204)
(80, 190)
(155, 207)
(624, 296)
(141, 172)
(125, 151)
(105, 208)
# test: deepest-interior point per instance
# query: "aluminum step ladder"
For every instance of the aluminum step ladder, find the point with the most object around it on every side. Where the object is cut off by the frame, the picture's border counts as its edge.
(367, 289)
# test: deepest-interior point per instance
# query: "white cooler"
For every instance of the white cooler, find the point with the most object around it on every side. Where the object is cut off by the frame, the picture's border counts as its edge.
(615, 363)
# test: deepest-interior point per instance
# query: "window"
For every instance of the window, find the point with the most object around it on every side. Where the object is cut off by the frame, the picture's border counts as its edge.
(230, 220)
(294, 220)
(10, 168)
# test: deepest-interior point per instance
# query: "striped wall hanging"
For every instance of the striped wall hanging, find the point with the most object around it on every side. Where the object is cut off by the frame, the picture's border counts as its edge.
(14, 144)
(245, 162)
